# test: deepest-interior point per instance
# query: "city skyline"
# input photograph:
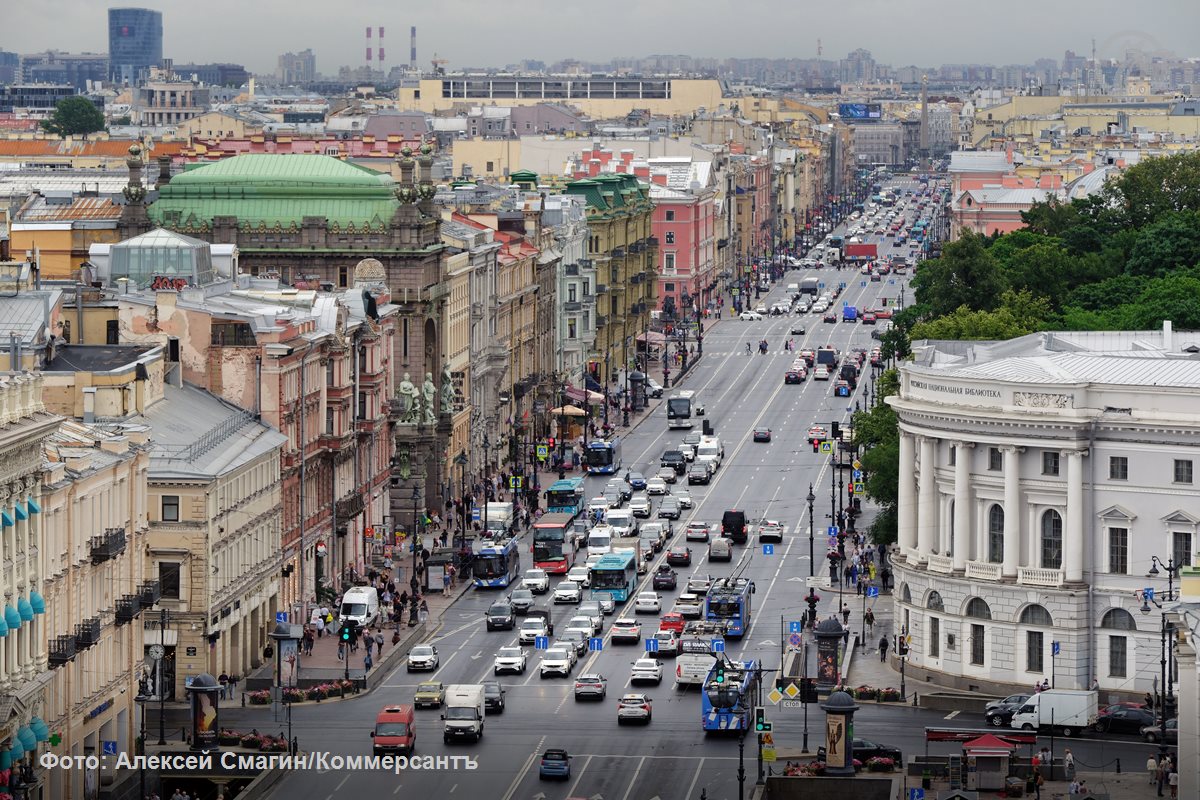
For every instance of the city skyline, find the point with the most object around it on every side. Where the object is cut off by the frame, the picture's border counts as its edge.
(254, 35)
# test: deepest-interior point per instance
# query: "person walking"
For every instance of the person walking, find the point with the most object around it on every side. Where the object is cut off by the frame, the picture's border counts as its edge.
(1038, 782)
(446, 582)
(379, 642)
(845, 614)
(869, 619)
(1069, 764)
(341, 650)
(1152, 768)
(367, 662)
(883, 648)
(424, 612)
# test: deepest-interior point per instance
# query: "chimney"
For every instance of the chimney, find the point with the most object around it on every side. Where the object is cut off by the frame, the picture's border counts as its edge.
(606, 156)
(1167, 335)
(660, 178)
(164, 170)
(593, 167)
(642, 172)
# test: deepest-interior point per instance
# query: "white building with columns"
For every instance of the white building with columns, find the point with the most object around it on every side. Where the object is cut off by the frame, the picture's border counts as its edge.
(1038, 478)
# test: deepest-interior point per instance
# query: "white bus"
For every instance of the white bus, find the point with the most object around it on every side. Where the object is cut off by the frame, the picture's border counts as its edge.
(681, 407)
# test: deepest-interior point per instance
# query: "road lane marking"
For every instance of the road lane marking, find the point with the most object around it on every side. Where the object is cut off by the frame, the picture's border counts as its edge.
(575, 785)
(512, 787)
(692, 786)
(633, 781)
(952, 715)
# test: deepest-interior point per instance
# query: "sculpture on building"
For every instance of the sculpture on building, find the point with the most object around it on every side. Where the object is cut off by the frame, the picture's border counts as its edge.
(447, 391)
(430, 392)
(403, 467)
(410, 401)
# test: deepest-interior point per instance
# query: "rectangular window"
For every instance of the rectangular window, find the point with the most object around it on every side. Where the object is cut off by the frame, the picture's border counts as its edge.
(995, 459)
(1050, 462)
(1181, 548)
(668, 287)
(1118, 551)
(587, 320)
(330, 374)
(571, 296)
(953, 455)
(670, 215)
(935, 637)
(1117, 656)
(1118, 468)
(329, 420)
(1183, 470)
(404, 338)
(669, 263)
(670, 237)
(1034, 656)
(571, 331)
(978, 641)
(362, 405)
(491, 167)
(343, 276)
(587, 286)
(170, 508)
(168, 579)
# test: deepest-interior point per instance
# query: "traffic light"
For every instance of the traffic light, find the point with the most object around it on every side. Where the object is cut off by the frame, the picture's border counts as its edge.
(834, 431)
(816, 443)
(721, 673)
(348, 631)
(760, 720)
(550, 442)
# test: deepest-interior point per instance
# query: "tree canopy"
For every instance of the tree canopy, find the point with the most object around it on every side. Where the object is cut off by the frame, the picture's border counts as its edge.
(74, 116)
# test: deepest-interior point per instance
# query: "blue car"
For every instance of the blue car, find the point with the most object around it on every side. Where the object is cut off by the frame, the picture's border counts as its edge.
(555, 764)
(636, 481)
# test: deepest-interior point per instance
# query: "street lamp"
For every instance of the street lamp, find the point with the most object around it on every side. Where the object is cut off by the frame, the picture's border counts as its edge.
(1166, 701)
(812, 498)
(461, 460)
(416, 540)
(140, 700)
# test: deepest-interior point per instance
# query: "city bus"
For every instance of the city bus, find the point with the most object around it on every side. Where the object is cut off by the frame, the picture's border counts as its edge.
(615, 573)
(554, 542)
(603, 457)
(734, 686)
(680, 408)
(728, 601)
(565, 497)
(496, 566)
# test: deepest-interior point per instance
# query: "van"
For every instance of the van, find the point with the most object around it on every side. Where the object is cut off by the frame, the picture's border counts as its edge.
(710, 451)
(360, 605)
(622, 522)
(395, 731)
(720, 550)
(793, 289)
(733, 526)
(463, 712)
(599, 540)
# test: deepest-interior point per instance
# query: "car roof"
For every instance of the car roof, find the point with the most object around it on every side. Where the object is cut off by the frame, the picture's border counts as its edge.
(555, 753)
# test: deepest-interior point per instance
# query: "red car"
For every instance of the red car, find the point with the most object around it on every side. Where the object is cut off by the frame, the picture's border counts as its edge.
(672, 621)
(883, 313)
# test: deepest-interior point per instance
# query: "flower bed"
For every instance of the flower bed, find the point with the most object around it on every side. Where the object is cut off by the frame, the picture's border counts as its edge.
(252, 741)
(866, 693)
(292, 695)
(880, 764)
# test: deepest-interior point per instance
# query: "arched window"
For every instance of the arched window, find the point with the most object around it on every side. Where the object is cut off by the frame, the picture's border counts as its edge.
(1052, 526)
(1118, 619)
(1036, 615)
(934, 603)
(1035, 641)
(906, 594)
(996, 534)
(978, 608)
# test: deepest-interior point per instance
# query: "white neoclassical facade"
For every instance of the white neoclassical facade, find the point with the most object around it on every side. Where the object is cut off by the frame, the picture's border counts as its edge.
(1038, 478)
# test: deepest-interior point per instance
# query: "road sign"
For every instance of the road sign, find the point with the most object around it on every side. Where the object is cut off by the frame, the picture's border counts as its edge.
(857, 474)
(516, 482)
(916, 794)
(1148, 593)
(541, 643)
(595, 644)
(791, 704)
(827, 447)
(109, 747)
(774, 696)
(792, 691)
(796, 627)
(872, 591)
(833, 542)
(476, 514)
(863, 284)
(795, 640)
(281, 616)
(1054, 648)
(543, 451)
(652, 645)
(856, 464)
(858, 487)
(832, 530)
(718, 645)
(768, 549)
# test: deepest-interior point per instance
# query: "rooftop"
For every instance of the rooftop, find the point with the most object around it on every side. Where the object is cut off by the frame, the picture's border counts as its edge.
(97, 357)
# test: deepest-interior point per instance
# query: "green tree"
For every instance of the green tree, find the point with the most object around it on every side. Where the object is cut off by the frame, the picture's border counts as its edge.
(877, 432)
(1174, 297)
(1019, 313)
(74, 116)
(1167, 244)
(966, 274)
(1051, 218)
(1158, 186)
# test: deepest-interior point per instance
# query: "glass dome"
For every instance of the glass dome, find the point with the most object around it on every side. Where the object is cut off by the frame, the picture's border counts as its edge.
(161, 253)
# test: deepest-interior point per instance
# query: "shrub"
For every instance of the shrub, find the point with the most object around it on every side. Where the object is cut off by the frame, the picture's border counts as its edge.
(261, 697)
(889, 695)
(866, 693)
(251, 741)
(880, 764)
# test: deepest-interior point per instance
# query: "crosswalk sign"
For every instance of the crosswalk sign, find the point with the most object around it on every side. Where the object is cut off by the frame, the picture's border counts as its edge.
(516, 482)
(858, 487)
(543, 452)
(827, 447)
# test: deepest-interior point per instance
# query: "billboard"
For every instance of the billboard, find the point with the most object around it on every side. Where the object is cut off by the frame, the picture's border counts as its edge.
(860, 111)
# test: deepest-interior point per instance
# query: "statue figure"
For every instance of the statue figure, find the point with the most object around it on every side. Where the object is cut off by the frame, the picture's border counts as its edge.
(447, 390)
(409, 396)
(430, 392)
(402, 463)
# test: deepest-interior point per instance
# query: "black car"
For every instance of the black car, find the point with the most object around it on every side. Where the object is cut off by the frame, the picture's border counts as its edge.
(793, 376)
(521, 600)
(679, 557)
(762, 434)
(698, 474)
(675, 460)
(493, 697)
(664, 578)
(669, 508)
(797, 330)
(864, 750)
(829, 318)
(1123, 719)
(545, 617)
(1001, 715)
(501, 616)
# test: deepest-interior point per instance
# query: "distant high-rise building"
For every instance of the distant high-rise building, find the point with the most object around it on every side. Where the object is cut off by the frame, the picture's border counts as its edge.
(297, 67)
(135, 37)
(75, 69)
(9, 63)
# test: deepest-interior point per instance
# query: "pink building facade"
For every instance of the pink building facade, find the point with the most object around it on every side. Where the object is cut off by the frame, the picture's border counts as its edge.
(685, 224)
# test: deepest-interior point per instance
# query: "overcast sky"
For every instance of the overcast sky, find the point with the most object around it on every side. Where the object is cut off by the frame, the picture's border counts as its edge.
(498, 32)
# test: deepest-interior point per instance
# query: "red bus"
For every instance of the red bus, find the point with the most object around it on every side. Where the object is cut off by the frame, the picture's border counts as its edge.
(554, 543)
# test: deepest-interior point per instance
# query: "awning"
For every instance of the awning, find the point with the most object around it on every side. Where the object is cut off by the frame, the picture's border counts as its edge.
(592, 385)
(167, 638)
(568, 411)
(652, 337)
(584, 396)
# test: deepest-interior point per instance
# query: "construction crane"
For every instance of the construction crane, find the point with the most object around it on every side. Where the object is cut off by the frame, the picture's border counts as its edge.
(439, 65)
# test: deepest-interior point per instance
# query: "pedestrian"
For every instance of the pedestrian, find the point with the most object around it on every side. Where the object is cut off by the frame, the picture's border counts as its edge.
(1073, 789)
(446, 582)
(1173, 781)
(223, 680)
(414, 585)
(424, 612)
(748, 351)
(367, 662)
(1152, 768)
(1069, 764)
(1163, 771)
(883, 648)
(869, 618)
(845, 614)
(1038, 781)
(319, 625)
(341, 650)
(379, 643)
(453, 573)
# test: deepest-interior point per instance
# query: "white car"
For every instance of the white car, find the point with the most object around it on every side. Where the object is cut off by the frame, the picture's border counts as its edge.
(536, 581)
(423, 657)
(821, 373)
(634, 707)
(689, 605)
(557, 661)
(567, 592)
(531, 628)
(683, 497)
(639, 506)
(584, 622)
(761, 308)
(750, 316)
(770, 531)
(646, 670)
(647, 603)
(580, 575)
(509, 659)
(592, 559)
(626, 630)
(656, 485)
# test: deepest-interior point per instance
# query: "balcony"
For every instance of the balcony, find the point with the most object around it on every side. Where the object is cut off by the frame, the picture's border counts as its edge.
(618, 252)
(127, 608)
(586, 263)
(149, 593)
(722, 244)
(983, 570)
(107, 546)
(601, 288)
(1033, 576)
(601, 321)
(571, 269)
(62, 650)
(942, 564)
(637, 247)
(652, 241)
(87, 634)
(637, 277)
(569, 306)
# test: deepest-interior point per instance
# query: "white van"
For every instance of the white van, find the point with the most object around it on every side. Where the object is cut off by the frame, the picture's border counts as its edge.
(599, 540)
(710, 451)
(360, 605)
(622, 522)
(463, 712)
(793, 289)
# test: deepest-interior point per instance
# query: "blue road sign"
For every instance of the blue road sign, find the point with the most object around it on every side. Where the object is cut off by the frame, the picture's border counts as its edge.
(843, 391)
(862, 284)
(652, 645)
(795, 640)
(476, 514)
(821, 285)
(718, 645)
(916, 794)
(795, 627)
(281, 616)
(1054, 648)
(1148, 592)
(768, 549)
(892, 281)
(857, 474)
(595, 644)
(832, 530)
(109, 747)
(872, 591)
(541, 643)
(833, 542)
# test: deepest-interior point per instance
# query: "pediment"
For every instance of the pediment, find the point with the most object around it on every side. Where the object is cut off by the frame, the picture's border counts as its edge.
(1118, 512)
(1178, 517)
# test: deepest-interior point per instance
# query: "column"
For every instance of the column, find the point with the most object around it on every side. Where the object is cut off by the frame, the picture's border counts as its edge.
(1073, 533)
(927, 510)
(907, 511)
(1012, 510)
(962, 504)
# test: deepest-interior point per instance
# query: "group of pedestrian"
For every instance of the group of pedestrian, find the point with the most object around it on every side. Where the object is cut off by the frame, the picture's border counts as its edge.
(1164, 773)
(1041, 686)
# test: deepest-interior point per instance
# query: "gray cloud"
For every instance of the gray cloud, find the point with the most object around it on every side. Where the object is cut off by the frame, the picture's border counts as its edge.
(498, 32)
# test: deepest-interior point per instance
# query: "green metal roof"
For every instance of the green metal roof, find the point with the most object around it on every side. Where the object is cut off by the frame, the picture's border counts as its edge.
(276, 189)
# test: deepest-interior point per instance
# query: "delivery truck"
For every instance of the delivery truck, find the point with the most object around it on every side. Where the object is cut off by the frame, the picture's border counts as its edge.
(1068, 711)
(463, 712)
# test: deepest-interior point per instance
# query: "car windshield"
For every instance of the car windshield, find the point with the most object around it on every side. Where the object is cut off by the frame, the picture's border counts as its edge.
(522, 594)
(509, 652)
(391, 729)
(354, 609)
(556, 654)
(422, 650)
(499, 610)
(460, 712)
(535, 574)
(533, 624)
